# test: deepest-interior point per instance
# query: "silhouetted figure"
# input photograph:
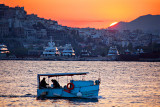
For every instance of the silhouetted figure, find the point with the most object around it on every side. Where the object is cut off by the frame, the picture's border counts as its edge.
(55, 84)
(43, 83)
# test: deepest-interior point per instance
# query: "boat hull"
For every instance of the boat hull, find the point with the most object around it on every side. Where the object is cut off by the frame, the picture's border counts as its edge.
(79, 92)
(124, 57)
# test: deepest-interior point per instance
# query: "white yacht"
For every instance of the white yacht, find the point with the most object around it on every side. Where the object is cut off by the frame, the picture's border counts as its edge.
(50, 51)
(85, 53)
(68, 50)
(3, 51)
(112, 53)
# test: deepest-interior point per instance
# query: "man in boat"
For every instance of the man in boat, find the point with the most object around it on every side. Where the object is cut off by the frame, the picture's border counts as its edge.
(43, 83)
(55, 84)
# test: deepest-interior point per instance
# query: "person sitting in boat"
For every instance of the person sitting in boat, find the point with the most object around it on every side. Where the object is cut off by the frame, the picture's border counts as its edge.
(43, 83)
(55, 84)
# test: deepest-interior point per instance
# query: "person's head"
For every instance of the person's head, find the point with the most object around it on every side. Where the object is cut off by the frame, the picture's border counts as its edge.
(44, 78)
(54, 81)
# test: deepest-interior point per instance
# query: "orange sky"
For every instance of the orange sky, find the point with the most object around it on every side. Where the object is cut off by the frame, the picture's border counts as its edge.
(88, 13)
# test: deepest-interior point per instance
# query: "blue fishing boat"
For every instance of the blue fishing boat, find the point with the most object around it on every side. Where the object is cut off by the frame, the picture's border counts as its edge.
(75, 88)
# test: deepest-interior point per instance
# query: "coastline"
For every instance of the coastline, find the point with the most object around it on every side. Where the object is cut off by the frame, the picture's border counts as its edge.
(83, 59)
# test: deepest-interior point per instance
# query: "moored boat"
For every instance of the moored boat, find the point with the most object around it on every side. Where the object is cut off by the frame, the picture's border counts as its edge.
(50, 52)
(128, 56)
(68, 50)
(112, 53)
(85, 53)
(3, 51)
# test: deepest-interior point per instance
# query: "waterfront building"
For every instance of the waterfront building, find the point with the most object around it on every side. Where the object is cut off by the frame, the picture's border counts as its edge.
(4, 29)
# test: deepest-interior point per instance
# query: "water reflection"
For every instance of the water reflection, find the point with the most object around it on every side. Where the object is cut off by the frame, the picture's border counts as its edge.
(19, 96)
(71, 100)
(82, 101)
(76, 101)
(123, 84)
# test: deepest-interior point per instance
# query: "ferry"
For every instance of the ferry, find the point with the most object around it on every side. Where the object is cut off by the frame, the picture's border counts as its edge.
(73, 89)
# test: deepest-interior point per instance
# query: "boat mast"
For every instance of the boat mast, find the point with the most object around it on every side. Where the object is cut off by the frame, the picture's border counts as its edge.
(51, 39)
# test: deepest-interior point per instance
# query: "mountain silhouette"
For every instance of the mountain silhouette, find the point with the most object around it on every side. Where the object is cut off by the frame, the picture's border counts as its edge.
(146, 23)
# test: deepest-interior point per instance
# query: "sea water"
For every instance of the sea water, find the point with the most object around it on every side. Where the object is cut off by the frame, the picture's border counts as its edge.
(123, 84)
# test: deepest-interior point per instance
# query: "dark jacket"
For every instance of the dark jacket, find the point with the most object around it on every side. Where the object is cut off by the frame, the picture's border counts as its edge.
(43, 84)
(56, 84)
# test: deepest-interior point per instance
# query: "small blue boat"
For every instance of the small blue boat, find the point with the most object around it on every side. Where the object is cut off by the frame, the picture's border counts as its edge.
(75, 88)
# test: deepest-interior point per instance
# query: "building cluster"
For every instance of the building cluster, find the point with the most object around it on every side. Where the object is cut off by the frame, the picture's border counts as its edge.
(114, 37)
(124, 39)
(16, 23)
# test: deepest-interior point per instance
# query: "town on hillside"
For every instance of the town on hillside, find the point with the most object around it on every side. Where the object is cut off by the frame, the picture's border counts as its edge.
(27, 36)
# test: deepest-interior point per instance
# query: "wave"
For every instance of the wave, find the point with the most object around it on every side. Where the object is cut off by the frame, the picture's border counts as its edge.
(14, 96)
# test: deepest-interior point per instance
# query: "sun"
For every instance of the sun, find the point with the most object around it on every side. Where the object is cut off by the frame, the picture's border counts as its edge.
(112, 24)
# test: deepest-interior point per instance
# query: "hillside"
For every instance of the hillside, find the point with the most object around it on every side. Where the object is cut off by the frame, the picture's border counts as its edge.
(145, 23)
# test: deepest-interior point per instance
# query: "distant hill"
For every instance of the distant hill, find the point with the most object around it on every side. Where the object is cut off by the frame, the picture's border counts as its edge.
(146, 23)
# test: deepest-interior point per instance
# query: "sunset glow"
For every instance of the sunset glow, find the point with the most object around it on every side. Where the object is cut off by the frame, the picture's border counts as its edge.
(114, 23)
(88, 13)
